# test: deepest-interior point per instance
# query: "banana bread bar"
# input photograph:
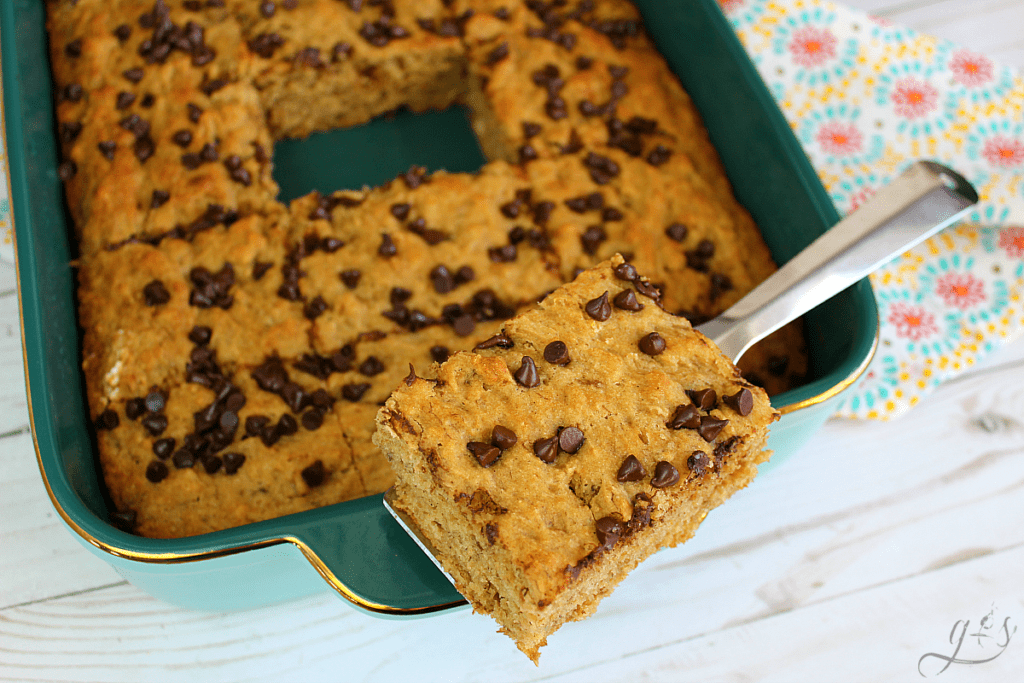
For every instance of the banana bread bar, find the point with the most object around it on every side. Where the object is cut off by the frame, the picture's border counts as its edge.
(593, 430)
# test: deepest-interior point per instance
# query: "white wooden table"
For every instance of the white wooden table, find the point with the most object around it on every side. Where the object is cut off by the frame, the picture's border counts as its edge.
(866, 551)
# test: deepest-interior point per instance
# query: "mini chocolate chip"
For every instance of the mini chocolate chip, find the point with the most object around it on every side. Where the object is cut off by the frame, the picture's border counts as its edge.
(665, 474)
(387, 247)
(485, 453)
(286, 424)
(570, 439)
(400, 211)
(497, 54)
(159, 198)
(156, 471)
(546, 449)
(710, 427)
(530, 129)
(314, 474)
(314, 308)
(599, 309)
(627, 301)
(464, 325)
(183, 458)
(659, 155)
(260, 268)
(67, 170)
(742, 401)
(233, 461)
(108, 419)
(527, 153)
(312, 419)
(125, 99)
(677, 232)
(354, 392)
(155, 423)
(625, 271)
(592, 238)
(134, 74)
(350, 278)
(647, 289)
(371, 366)
(503, 438)
(155, 401)
(705, 399)
(211, 463)
(107, 148)
(504, 254)
(134, 408)
(254, 424)
(155, 293)
(631, 469)
(163, 448)
(194, 112)
(685, 416)
(501, 340)
(527, 375)
(235, 402)
(144, 148)
(200, 335)
(123, 32)
(698, 462)
(73, 92)
(608, 530)
(610, 214)
(652, 344)
(439, 353)
(584, 63)
(557, 353)
(705, 249)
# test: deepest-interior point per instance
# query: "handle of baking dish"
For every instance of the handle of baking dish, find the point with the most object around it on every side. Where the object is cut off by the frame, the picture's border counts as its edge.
(368, 558)
(923, 200)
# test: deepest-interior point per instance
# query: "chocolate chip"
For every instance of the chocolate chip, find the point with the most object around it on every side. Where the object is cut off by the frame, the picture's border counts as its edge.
(677, 232)
(570, 439)
(232, 462)
(698, 463)
(235, 402)
(286, 425)
(123, 32)
(710, 427)
(400, 211)
(354, 392)
(625, 271)
(504, 254)
(155, 401)
(267, 9)
(371, 366)
(705, 399)
(144, 148)
(314, 474)
(155, 293)
(159, 198)
(331, 244)
(340, 51)
(108, 419)
(631, 469)
(584, 63)
(134, 408)
(183, 459)
(599, 309)
(608, 530)
(497, 54)
(485, 453)
(557, 353)
(652, 344)
(531, 129)
(350, 278)
(200, 335)
(107, 148)
(314, 308)
(155, 423)
(627, 301)
(546, 449)
(194, 112)
(501, 340)
(254, 424)
(67, 170)
(602, 169)
(464, 325)
(647, 289)
(312, 419)
(592, 238)
(70, 130)
(156, 471)
(125, 99)
(503, 438)
(387, 247)
(73, 92)
(610, 214)
(211, 463)
(527, 153)
(659, 155)
(685, 416)
(439, 353)
(742, 401)
(665, 475)
(527, 375)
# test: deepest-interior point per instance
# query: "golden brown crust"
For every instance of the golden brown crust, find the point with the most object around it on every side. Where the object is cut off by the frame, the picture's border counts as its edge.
(519, 534)
(167, 117)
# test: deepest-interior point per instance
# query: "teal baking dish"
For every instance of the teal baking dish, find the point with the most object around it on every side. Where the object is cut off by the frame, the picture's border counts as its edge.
(356, 547)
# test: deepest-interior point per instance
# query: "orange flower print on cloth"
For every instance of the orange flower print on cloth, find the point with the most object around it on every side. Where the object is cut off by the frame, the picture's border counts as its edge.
(866, 98)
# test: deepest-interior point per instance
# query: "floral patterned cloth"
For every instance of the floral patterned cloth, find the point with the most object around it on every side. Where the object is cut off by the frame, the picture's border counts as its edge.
(865, 99)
